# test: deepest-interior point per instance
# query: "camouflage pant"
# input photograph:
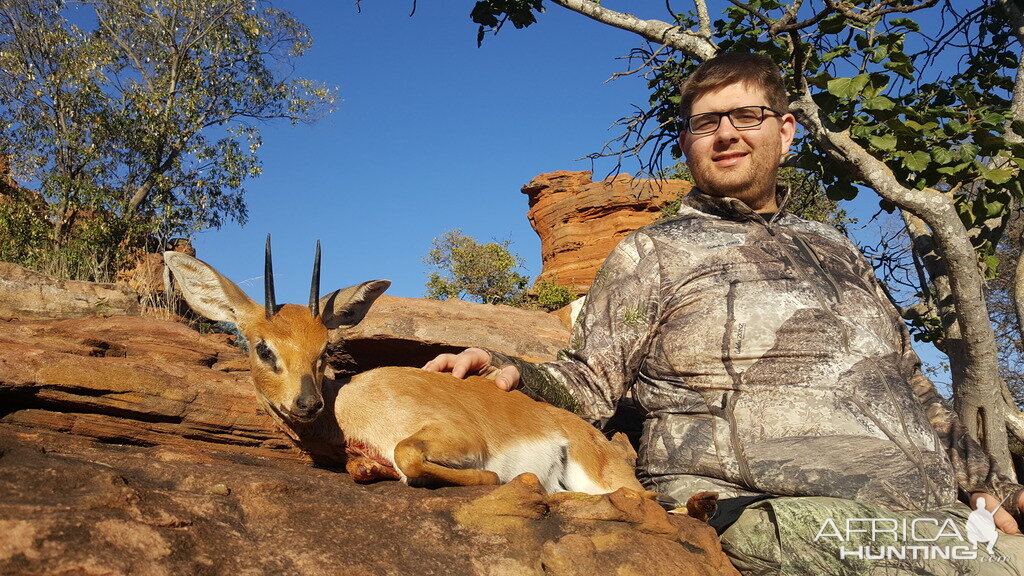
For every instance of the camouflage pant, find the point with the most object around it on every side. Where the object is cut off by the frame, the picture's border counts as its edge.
(830, 536)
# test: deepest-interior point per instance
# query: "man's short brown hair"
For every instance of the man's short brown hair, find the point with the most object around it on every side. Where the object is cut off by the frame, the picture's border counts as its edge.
(755, 70)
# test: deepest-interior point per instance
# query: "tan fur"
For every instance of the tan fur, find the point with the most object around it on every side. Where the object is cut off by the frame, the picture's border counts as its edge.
(396, 422)
(300, 340)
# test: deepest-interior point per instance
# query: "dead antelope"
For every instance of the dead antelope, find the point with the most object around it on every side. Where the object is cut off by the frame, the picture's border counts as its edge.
(403, 423)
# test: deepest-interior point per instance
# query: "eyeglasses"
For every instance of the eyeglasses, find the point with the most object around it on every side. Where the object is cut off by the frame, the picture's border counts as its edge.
(742, 118)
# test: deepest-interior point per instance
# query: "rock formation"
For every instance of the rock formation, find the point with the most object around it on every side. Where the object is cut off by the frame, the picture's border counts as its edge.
(579, 221)
(131, 445)
(28, 294)
(71, 506)
(417, 329)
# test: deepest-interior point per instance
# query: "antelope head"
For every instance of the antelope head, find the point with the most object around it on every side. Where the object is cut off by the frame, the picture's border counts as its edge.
(287, 344)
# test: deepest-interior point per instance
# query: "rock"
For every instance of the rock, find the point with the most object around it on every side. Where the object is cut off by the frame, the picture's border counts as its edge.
(149, 276)
(146, 278)
(411, 331)
(69, 505)
(133, 380)
(131, 445)
(579, 221)
(28, 294)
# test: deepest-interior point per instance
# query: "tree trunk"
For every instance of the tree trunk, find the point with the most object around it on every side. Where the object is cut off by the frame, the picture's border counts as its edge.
(951, 343)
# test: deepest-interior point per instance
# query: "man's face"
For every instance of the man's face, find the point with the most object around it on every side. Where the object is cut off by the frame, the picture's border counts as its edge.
(740, 164)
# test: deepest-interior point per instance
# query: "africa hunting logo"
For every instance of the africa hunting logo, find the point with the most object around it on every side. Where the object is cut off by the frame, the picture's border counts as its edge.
(924, 538)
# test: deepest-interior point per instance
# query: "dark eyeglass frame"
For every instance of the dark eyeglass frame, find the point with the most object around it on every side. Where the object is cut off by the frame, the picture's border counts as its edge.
(688, 121)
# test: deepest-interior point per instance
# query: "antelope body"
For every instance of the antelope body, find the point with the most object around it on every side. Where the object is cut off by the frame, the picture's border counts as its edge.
(420, 427)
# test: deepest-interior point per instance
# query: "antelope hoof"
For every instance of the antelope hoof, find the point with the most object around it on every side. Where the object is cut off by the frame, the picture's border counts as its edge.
(365, 470)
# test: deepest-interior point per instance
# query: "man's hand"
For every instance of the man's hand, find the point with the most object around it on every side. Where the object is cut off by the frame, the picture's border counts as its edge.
(1004, 521)
(475, 361)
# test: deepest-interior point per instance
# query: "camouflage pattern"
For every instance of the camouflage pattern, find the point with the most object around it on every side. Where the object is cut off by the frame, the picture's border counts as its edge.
(766, 358)
(801, 536)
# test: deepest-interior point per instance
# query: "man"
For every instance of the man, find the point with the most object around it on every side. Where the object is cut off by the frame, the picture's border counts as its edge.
(765, 357)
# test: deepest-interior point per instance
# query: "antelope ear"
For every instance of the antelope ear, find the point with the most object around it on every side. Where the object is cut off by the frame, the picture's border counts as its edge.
(347, 307)
(206, 290)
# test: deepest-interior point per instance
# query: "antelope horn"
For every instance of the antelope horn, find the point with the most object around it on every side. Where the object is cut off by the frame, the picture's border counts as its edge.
(314, 288)
(268, 283)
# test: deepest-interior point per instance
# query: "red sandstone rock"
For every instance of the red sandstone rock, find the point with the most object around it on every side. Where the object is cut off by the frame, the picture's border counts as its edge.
(411, 331)
(579, 221)
(69, 505)
(135, 446)
(147, 277)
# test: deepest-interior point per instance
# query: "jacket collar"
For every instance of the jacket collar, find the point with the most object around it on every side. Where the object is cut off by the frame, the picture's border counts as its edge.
(731, 208)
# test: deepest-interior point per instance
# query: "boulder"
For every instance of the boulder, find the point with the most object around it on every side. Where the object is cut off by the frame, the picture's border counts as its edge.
(579, 221)
(411, 331)
(28, 294)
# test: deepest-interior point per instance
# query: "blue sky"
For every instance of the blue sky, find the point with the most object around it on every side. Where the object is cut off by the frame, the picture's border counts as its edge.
(430, 134)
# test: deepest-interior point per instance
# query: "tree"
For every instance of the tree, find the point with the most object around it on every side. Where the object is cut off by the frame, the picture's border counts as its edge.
(472, 271)
(931, 122)
(146, 117)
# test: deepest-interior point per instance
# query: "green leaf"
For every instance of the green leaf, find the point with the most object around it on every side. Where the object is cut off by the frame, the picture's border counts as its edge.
(848, 87)
(906, 23)
(991, 266)
(951, 170)
(998, 175)
(942, 155)
(875, 85)
(884, 142)
(969, 152)
(904, 69)
(838, 52)
(832, 25)
(995, 118)
(917, 161)
(879, 103)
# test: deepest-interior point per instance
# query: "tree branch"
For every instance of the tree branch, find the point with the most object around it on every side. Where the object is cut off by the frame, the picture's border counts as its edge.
(866, 16)
(703, 18)
(689, 43)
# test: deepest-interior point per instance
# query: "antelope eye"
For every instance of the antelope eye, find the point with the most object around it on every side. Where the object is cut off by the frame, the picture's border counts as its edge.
(265, 353)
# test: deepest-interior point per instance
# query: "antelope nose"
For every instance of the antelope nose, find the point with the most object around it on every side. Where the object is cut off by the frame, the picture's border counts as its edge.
(309, 404)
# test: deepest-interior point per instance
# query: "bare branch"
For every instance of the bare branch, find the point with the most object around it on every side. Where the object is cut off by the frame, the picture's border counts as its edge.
(756, 14)
(790, 15)
(703, 18)
(687, 42)
(782, 27)
(650, 62)
(866, 16)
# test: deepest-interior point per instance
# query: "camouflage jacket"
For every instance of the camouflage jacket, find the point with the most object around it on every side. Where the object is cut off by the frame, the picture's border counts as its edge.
(765, 358)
